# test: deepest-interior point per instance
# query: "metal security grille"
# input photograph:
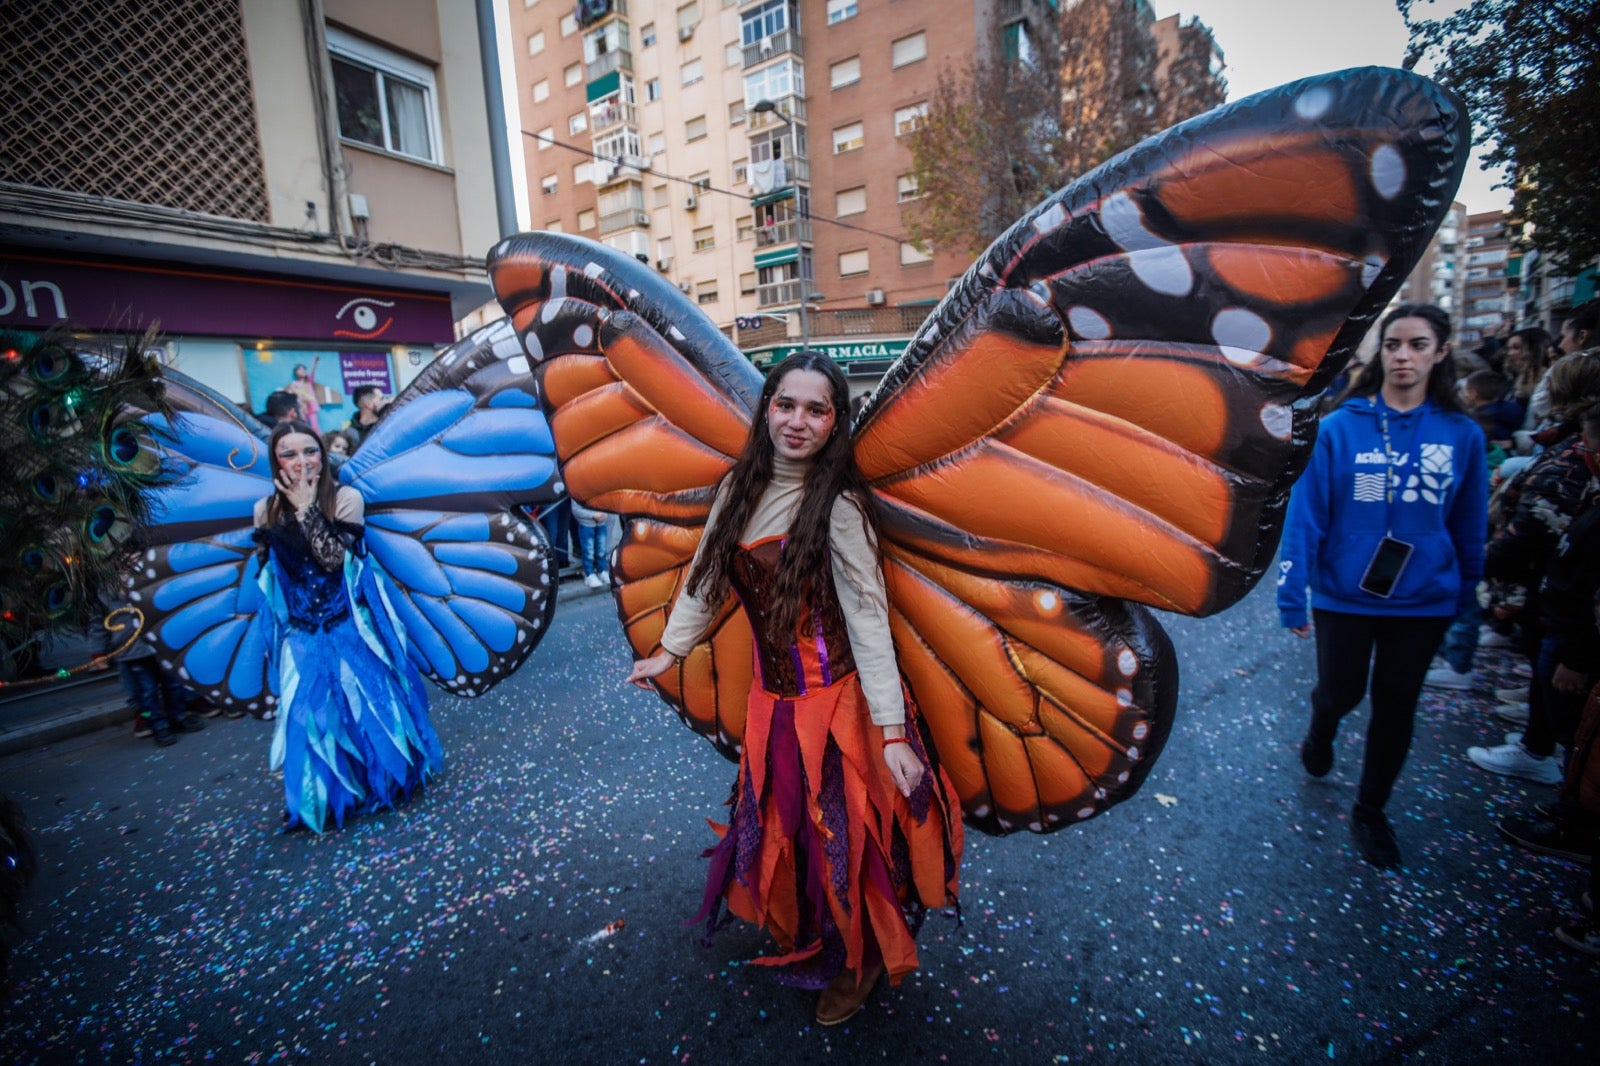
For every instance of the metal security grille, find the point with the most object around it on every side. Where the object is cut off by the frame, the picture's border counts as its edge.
(134, 100)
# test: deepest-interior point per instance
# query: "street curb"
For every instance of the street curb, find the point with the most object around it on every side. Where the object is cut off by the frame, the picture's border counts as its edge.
(65, 724)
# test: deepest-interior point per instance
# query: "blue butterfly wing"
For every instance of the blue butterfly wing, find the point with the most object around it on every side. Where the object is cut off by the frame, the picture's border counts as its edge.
(445, 476)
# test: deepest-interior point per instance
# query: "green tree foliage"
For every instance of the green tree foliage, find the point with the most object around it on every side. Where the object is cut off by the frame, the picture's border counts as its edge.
(1529, 71)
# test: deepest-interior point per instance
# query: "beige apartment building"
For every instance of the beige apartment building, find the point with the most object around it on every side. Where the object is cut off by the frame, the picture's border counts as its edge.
(275, 184)
(754, 153)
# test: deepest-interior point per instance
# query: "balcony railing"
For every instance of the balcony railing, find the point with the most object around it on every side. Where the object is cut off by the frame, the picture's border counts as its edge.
(793, 106)
(606, 172)
(604, 116)
(857, 322)
(772, 47)
(621, 59)
(631, 218)
(785, 232)
(779, 293)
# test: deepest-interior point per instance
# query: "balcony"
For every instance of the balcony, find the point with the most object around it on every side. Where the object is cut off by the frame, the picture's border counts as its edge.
(604, 64)
(606, 172)
(593, 12)
(876, 321)
(628, 218)
(781, 293)
(793, 106)
(772, 47)
(785, 232)
(608, 114)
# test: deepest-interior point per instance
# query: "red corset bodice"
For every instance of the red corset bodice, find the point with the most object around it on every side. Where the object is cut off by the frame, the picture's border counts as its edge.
(819, 653)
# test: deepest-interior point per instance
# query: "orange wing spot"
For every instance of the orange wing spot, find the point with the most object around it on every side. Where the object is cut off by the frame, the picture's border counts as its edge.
(1285, 276)
(1310, 351)
(567, 377)
(962, 394)
(1171, 399)
(594, 415)
(1304, 183)
(1142, 468)
(518, 277)
(669, 384)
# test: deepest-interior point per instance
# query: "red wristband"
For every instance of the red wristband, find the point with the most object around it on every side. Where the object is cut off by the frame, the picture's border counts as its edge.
(895, 740)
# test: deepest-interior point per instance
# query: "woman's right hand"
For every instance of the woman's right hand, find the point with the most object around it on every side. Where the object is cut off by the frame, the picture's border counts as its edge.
(1300, 631)
(645, 670)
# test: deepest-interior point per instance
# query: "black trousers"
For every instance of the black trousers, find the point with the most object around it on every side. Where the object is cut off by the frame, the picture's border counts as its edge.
(1396, 651)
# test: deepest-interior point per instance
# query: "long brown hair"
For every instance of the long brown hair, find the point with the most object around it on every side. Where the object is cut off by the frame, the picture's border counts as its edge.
(833, 472)
(327, 490)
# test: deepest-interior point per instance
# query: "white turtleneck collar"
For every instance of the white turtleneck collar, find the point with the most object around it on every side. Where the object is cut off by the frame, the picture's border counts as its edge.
(789, 472)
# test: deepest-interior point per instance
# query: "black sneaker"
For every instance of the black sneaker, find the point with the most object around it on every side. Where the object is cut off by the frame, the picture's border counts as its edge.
(142, 726)
(1375, 839)
(1583, 936)
(164, 737)
(1549, 837)
(187, 723)
(1316, 756)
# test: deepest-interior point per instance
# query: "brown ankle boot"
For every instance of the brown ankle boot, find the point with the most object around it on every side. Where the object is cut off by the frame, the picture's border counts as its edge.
(843, 997)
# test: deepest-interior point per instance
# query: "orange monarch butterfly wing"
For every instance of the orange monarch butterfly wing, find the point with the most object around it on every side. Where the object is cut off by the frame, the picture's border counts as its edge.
(1112, 406)
(649, 405)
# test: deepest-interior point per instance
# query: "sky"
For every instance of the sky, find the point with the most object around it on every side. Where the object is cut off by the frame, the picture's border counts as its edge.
(1271, 42)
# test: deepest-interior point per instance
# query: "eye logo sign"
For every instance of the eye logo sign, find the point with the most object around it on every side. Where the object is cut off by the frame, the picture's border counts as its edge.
(363, 311)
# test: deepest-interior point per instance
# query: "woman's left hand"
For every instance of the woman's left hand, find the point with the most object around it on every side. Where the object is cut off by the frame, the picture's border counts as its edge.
(904, 767)
(1566, 680)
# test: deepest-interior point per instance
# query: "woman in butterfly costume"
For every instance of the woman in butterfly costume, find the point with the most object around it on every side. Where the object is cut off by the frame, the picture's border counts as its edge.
(839, 832)
(1132, 370)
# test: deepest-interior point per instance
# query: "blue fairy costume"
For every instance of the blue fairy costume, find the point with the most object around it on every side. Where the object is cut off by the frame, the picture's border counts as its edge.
(352, 724)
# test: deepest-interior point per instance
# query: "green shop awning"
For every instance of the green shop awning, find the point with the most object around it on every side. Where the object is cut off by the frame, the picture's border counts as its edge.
(605, 85)
(777, 257)
(772, 197)
(1583, 286)
(839, 352)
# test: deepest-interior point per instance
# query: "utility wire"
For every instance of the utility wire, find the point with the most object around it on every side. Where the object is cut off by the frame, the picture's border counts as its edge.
(701, 186)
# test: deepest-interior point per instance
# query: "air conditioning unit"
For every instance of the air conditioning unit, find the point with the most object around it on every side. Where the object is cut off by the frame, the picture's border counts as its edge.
(685, 32)
(641, 219)
(691, 201)
(685, 286)
(876, 298)
(663, 265)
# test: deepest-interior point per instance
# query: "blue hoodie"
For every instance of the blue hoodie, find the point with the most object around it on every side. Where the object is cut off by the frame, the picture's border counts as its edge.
(1340, 511)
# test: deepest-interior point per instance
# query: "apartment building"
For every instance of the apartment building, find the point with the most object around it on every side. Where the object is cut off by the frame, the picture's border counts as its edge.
(1486, 302)
(1436, 277)
(275, 184)
(753, 152)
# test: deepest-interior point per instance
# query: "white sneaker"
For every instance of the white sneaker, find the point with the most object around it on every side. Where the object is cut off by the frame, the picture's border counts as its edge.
(1513, 760)
(592, 580)
(1514, 694)
(1520, 668)
(1448, 677)
(1490, 637)
(605, 577)
(1515, 713)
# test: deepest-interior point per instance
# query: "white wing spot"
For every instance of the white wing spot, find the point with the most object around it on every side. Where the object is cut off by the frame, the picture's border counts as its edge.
(1085, 812)
(1234, 327)
(1278, 420)
(1036, 826)
(675, 333)
(560, 487)
(1124, 697)
(1088, 324)
(1371, 267)
(1051, 220)
(519, 365)
(1048, 601)
(1133, 752)
(1123, 777)
(981, 811)
(1127, 662)
(593, 270)
(1388, 171)
(1124, 223)
(1141, 730)
(1166, 270)
(531, 342)
(583, 335)
(1313, 103)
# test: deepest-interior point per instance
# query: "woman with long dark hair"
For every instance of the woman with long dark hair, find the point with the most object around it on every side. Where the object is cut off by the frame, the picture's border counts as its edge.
(841, 834)
(352, 725)
(1387, 527)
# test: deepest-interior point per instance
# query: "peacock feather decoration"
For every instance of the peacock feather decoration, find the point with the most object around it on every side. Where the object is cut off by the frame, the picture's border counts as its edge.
(78, 463)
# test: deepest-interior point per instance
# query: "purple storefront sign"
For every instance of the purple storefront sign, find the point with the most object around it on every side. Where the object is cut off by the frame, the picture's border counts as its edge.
(38, 291)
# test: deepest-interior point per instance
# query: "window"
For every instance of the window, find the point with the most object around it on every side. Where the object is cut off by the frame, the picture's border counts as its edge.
(569, 24)
(660, 196)
(694, 129)
(1016, 45)
(658, 143)
(847, 138)
(732, 55)
(909, 119)
(554, 226)
(774, 82)
(647, 36)
(911, 255)
(688, 18)
(586, 219)
(664, 249)
(850, 201)
(705, 238)
(852, 263)
(547, 185)
(839, 10)
(541, 91)
(692, 71)
(908, 50)
(583, 173)
(768, 20)
(845, 72)
(546, 137)
(576, 124)
(906, 188)
(705, 292)
(536, 43)
(701, 181)
(573, 74)
(384, 100)
(652, 89)
(744, 228)
(741, 171)
(736, 113)
(747, 284)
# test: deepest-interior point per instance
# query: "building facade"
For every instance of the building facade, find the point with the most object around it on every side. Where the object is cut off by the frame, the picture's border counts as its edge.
(1436, 277)
(1486, 303)
(276, 185)
(753, 152)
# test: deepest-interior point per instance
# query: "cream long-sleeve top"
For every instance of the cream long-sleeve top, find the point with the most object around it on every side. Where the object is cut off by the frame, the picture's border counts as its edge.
(857, 578)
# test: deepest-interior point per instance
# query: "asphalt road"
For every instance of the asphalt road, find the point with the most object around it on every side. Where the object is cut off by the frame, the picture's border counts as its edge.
(1219, 916)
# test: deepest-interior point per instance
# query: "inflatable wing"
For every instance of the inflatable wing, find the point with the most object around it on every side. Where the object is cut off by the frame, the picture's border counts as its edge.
(1111, 406)
(440, 476)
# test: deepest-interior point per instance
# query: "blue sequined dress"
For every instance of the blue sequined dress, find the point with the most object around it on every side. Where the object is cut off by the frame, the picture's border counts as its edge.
(352, 730)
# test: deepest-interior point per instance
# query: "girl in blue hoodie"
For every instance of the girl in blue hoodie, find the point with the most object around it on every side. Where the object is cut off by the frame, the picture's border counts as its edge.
(1387, 527)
